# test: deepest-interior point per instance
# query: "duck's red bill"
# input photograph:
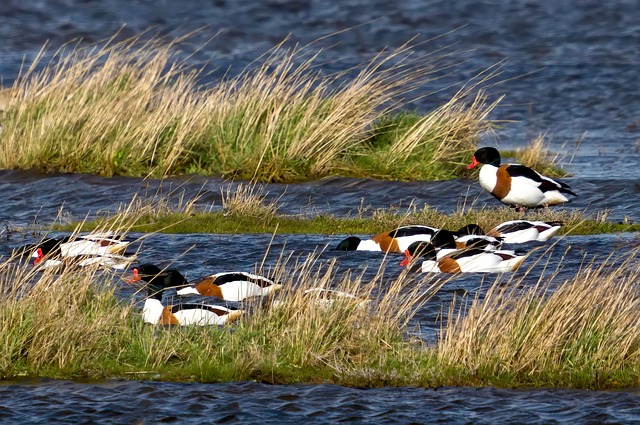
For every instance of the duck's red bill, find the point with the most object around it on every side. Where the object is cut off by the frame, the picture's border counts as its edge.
(406, 260)
(474, 162)
(40, 256)
(136, 277)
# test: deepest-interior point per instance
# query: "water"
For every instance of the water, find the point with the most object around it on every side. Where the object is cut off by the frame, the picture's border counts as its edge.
(570, 71)
(39, 401)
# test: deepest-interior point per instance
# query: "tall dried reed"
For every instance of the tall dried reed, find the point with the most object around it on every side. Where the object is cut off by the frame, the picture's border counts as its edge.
(134, 107)
(581, 333)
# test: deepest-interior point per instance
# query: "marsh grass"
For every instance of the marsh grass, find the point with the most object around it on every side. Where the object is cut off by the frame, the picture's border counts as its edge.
(582, 333)
(537, 155)
(133, 107)
(246, 209)
(249, 200)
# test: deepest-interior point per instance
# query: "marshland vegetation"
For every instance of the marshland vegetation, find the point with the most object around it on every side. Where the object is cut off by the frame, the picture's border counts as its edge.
(134, 107)
(580, 332)
(247, 209)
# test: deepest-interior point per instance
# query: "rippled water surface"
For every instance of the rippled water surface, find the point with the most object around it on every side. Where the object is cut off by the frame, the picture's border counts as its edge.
(571, 71)
(248, 402)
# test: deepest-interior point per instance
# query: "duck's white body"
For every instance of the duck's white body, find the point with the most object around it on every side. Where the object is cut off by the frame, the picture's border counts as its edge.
(523, 191)
(116, 262)
(522, 231)
(155, 313)
(94, 244)
(233, 286)
(450, 261)
(397, 240)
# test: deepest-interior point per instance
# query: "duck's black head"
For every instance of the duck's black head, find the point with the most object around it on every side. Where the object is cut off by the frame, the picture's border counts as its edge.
(349, 244)
(422, 249)
(444, 239)
(158, 280)
(48, 246)
(486, 155)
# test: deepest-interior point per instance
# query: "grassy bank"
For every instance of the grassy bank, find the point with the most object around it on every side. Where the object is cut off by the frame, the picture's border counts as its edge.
(582, 334)
(135, 108)
(246, 210)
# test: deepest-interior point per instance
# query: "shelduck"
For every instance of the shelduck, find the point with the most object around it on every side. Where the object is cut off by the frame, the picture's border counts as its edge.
(440, 257)
(228, 286)
(111, 261)
(232, 286)
(324, 297)
(521, 231)
(182, 314)
(517, 185)
(397, 240)
(94, 244)
(80, 251)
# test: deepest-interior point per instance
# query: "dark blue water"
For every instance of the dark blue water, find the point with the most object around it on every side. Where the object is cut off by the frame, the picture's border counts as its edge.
(570, 71)
(247, 402)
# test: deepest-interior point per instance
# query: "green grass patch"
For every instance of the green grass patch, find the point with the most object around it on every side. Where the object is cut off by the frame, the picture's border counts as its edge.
(377, 221)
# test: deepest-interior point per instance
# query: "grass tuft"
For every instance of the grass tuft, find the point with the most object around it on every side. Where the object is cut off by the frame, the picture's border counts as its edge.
(133, 107)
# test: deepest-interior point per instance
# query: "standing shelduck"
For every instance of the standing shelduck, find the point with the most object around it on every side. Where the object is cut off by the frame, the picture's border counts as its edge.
(517, 185)
(182, 314)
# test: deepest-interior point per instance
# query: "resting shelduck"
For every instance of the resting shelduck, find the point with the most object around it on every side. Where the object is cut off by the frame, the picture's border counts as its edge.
(397, 240)
(182, 314)
(232, 286)
(444, 259)
(517, 185)
(521, 231)
(94, 244)
(229, 286)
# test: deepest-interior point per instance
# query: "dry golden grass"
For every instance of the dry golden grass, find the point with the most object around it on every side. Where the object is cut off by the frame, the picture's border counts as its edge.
(134, 108)
(249, 200)
(343, 336)
(537, 155)
(582, 333)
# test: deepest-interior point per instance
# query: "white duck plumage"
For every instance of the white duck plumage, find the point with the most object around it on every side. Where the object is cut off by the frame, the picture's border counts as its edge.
(232, 286)
(440, 256)
(522, 231)
(182, 314)
(516, 184)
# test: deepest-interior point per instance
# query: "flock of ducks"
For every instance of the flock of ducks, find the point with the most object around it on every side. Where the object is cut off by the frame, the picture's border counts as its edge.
(426, 249)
